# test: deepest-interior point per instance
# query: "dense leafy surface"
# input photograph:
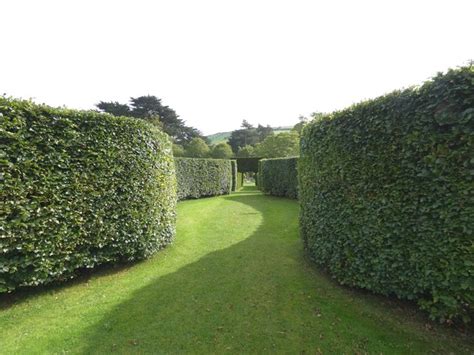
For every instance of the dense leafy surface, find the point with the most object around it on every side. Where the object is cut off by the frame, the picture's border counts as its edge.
(245, 165)
(279, 177)
(203, 177)
(223, 287)
(387, 194)
(234, 174)
(224, 136)
(240, 180)
(79, 189)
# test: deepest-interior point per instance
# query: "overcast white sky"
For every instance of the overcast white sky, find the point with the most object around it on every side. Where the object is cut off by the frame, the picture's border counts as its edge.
(218, 62)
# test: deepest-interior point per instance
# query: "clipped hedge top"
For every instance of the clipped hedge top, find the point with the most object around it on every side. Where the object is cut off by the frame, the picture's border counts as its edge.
(281, 158)
(245, 165)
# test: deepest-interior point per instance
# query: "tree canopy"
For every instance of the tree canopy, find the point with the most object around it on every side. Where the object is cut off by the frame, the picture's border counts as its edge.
(197, 148)
(178, 150)
(246, 152)
(285, 144)
(248, 135)
(221, 151)
(150, 108)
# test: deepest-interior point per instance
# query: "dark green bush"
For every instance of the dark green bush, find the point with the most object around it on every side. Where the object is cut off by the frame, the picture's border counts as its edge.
(387, 194)
(279, 177)
(234, 174)
(79, 189)
(203, 177)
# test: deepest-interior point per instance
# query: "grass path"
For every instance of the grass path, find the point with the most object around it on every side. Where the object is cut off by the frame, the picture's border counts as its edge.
(235, 280)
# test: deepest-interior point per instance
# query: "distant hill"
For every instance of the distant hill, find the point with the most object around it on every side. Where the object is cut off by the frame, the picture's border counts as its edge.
(224, 136)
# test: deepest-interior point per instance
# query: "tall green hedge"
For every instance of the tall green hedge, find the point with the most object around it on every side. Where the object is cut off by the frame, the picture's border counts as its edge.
(234, 174)
(203, 177)
(79, 189)
(279, 177)
(387, 194)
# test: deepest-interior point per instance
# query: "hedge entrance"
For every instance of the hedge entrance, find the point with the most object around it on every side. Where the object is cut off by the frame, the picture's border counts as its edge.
(247, 166)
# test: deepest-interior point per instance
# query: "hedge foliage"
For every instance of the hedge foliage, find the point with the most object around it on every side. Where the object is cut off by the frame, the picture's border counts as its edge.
(240, 180)
(245, 165)
(387, 194)
(198, 177)
(234, 174)
(79, 189)
(279, 177)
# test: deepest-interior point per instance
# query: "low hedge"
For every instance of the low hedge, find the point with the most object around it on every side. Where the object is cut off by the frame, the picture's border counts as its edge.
(234, 174)
(387, 194)
(203, 177)
(79, 189)
(279, 177)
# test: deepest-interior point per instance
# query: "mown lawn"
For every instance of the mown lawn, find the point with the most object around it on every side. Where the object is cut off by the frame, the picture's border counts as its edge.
(235, 280)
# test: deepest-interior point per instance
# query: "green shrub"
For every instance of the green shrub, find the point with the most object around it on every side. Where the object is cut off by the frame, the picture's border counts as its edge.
(203, 177)
(79, 189)
(387, 194)
(279, 177)
(234, 174)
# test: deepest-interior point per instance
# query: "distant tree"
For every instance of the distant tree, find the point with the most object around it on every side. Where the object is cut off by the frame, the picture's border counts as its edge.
(263, 132)
(284, 144)
(241, 137)
(197, 148)
(187, 133)
(221, 151)
(150, 108)
(115, 108)
(246, 125)
(246, 152)
(299, 126)
(178, 150)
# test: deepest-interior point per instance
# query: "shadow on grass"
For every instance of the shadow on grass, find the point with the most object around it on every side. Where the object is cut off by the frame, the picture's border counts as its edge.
(81, 276)
(226, 301)
(23, 294)
(259, 295)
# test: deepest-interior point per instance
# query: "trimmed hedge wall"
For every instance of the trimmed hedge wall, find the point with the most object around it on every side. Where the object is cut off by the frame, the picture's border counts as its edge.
(234, 174)
(203, 177)
(245, 165)
(279, 177)
(387, 194)
(240, 180)
(79, 189)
